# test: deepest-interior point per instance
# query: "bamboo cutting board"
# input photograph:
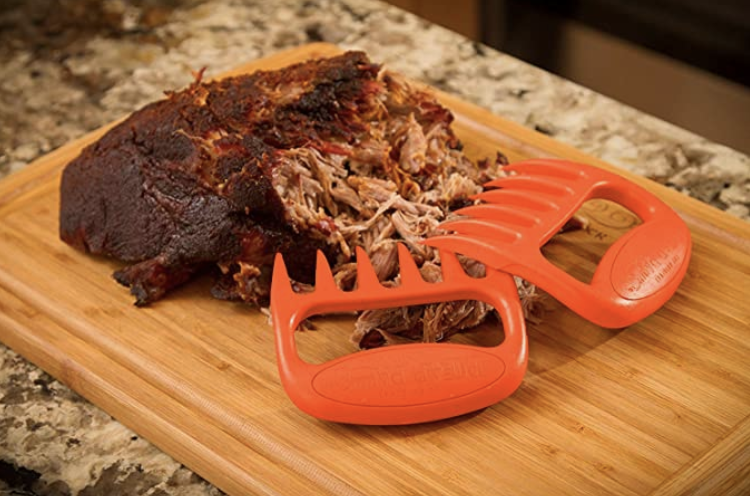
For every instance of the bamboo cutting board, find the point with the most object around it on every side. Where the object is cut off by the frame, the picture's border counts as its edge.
(662, 407)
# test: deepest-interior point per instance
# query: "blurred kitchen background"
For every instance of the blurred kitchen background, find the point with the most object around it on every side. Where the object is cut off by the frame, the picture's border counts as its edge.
(685, 61)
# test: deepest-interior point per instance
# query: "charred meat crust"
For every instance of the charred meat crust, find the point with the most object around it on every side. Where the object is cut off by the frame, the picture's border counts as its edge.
(187, 180)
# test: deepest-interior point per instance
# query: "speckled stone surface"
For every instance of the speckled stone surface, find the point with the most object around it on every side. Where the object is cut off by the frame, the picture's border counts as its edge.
(70, 66)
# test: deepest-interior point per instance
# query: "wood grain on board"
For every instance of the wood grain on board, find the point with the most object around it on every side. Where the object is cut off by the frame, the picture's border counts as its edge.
(662, 407)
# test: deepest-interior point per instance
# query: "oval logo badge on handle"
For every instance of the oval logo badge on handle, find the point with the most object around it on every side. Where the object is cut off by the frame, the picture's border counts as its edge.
(648, 261)
(389, 377)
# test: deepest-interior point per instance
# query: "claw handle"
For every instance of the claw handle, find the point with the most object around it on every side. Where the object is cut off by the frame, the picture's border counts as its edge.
(635, 277)
(637, 274)
(641, 270)
(404, 384)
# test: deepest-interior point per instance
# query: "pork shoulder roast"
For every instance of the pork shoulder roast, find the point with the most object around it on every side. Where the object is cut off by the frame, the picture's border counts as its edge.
(328, 154)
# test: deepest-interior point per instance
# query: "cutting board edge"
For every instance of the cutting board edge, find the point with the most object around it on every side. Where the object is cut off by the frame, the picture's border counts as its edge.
(76, 376)
(81, 376)
(704, 473)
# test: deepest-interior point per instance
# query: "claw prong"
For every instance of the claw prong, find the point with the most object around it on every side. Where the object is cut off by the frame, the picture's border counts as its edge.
(518, 198)
(475, 247)
(367, 278)
(450, 266)
(533, 183)
(407, 268)
(323, 275)
(281, 285)
(545, 167)
(505, 214)
(481, 227)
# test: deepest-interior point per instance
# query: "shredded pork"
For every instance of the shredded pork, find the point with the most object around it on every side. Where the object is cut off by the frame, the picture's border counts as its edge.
(397, 187)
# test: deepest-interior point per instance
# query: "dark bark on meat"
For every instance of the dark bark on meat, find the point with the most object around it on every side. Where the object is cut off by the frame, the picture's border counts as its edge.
(189, 180)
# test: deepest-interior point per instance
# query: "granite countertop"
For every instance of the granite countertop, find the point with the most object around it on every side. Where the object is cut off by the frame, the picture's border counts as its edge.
(69, 67)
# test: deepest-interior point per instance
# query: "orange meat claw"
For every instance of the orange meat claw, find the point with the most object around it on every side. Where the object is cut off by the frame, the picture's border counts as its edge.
(634, 278)
(399, 384)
